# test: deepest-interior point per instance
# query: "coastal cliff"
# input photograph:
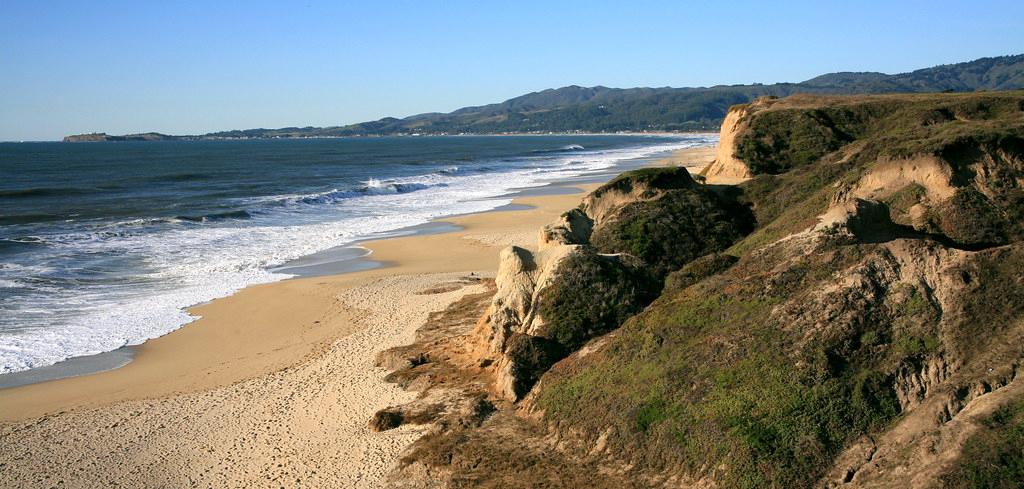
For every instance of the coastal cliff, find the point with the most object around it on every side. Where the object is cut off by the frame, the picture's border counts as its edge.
(838, 304)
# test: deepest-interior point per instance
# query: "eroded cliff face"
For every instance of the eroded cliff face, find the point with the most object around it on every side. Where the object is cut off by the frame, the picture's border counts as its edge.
(511, 325)
(850, 316)
(727, 169)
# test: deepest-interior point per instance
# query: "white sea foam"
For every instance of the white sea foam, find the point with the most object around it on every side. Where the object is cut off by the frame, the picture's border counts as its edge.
(195, 264)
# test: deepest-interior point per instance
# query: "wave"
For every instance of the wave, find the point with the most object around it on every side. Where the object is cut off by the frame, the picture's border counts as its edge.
(371, 186)
(562, 149)
(160, 266)
(448, 171)
(217, 216)
(181, 177)
(23, 193)
(20, 244)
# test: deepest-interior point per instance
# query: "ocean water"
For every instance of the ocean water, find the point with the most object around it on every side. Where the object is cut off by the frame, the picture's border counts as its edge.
(105, 245)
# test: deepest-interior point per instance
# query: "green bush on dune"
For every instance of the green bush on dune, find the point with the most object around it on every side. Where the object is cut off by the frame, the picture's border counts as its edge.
(780, 141)
(685, 221)
(592, 295)
(670, 231)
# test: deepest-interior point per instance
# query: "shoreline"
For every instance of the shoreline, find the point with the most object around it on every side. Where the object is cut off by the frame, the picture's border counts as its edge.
(171, 137)
(345, 258)
(289, 363)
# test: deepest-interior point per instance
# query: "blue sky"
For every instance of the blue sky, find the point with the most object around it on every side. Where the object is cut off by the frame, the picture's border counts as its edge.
(193, 67)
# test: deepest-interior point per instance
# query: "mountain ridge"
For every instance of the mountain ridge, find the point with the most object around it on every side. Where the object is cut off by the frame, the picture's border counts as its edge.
(576, 108)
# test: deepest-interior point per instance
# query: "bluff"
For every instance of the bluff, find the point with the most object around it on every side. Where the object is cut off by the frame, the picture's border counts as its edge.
(836, 302)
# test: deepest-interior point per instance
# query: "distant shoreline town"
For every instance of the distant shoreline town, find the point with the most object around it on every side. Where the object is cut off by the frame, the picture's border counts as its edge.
(101, 137)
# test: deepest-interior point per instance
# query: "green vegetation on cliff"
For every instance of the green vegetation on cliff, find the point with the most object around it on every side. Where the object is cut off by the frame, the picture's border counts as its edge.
(592, 295)
(687, 221)
(876, 283)
(759, 373)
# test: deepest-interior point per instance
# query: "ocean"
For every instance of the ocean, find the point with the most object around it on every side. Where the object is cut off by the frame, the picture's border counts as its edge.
(104, 245)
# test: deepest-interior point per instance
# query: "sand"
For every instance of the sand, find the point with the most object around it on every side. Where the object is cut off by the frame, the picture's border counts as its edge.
(273, 386)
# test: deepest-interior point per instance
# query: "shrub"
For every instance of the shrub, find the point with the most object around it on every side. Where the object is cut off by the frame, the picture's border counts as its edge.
(591, 295)
(670, 231)
(779, 140)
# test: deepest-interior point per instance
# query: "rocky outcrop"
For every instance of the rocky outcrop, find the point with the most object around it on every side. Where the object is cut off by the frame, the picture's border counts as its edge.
(888, 176)
(573, 227)
(523, 339)
(595, 266)
(94, 137)
(969, 196)
(510, 325)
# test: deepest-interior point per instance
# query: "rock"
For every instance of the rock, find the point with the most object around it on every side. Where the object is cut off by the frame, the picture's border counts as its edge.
(525, 359)
(573, 227)
(521, 340)
(386, 419)
(521, 275)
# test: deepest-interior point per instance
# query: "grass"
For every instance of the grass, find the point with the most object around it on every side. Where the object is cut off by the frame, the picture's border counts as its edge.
(698, 270)
(709, 373)
(757, 369)
(993, 457)
(972, 220)
(994, 297)
(709, 381)
(777, 141)
(785, 204)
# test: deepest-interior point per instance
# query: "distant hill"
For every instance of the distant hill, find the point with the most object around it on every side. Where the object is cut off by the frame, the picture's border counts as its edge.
(96, 137)
(603, 109)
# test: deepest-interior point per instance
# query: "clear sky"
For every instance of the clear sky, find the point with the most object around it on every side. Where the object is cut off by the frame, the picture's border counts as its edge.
(194, 67)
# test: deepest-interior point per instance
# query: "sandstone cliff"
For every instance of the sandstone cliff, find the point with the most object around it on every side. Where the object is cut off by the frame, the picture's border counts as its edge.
(727, 169)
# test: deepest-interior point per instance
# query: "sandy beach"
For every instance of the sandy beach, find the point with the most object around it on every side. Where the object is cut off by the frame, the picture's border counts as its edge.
(273, 386)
